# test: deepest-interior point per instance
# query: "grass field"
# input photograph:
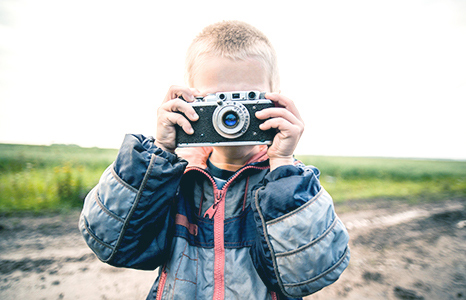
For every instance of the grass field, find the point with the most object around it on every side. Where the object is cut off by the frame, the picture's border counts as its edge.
(57, 177)
(38, 178)
(413, 180)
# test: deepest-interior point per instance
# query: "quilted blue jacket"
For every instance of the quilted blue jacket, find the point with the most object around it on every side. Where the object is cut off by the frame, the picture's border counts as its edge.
(263, 235)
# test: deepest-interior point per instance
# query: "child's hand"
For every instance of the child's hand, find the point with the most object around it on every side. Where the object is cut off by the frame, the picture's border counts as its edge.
(286, 119)
(168, 115)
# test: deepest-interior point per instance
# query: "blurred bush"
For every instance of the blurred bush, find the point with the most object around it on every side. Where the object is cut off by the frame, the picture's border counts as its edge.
(38, 178)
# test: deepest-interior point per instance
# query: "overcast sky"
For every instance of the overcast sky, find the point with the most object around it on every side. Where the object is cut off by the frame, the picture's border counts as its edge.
(371, 78)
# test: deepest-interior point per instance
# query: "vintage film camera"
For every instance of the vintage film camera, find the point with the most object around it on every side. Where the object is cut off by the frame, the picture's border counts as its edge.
(227, 119)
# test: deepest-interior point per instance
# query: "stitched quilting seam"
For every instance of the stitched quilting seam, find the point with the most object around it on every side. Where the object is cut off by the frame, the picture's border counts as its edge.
(88, 230)
(118, 178)
(312, 243)
(105, 209)
(136, 202)
(264, 228)
(331, 269)
(298, 210)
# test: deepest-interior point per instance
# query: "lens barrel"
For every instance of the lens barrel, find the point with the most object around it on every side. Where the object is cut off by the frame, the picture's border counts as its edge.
(231, 119)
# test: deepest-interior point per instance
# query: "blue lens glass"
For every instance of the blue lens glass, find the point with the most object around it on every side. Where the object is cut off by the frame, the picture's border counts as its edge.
(230, 119)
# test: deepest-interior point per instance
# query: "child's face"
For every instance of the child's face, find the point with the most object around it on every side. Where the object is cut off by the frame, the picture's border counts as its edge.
(216, 74)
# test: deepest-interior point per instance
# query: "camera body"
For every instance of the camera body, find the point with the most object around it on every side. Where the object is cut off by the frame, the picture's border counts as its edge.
(227, 119)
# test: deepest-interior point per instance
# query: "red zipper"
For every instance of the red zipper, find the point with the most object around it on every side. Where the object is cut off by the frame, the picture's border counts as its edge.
(219, 193)
(219, 248)
(163, 279)
(217, 212)
(211, 211)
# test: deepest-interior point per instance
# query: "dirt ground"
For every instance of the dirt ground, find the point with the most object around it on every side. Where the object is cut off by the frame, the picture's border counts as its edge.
(398, 251)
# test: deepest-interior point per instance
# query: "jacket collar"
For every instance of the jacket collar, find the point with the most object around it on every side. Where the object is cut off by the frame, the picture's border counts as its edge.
(198, 156)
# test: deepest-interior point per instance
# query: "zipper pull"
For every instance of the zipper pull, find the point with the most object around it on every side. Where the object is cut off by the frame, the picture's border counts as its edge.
(211, 211)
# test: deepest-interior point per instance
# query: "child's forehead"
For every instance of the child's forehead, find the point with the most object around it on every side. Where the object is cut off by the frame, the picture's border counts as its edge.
(210, 61)
(216, 74)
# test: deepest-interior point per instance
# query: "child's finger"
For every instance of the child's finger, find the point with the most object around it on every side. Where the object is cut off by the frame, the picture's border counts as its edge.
(176, 91)
(178, 105)
(178, 119)
(284, 102)
(279, 113)
(286, 128)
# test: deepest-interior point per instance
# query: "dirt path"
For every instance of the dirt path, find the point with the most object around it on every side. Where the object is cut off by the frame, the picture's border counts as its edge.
(404, 252)
(397, 252)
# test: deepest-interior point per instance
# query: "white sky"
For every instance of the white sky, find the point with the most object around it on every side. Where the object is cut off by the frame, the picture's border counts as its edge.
(372, 78)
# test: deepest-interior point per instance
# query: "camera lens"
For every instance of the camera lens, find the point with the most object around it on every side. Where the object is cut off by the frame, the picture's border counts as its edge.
(230, 119)
(252, 95)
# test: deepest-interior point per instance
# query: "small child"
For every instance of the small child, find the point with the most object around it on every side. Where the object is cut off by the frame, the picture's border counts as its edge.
(226, 222)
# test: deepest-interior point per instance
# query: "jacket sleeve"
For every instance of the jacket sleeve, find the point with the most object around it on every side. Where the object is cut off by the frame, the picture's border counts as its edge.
(126, 219)
(301, 244)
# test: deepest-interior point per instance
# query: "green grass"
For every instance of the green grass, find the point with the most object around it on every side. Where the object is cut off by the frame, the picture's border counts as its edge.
(413, 180)
(46, 178)
(53, 178)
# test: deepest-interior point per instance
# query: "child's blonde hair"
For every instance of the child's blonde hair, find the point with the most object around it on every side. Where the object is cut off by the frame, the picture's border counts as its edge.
(234, 40)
